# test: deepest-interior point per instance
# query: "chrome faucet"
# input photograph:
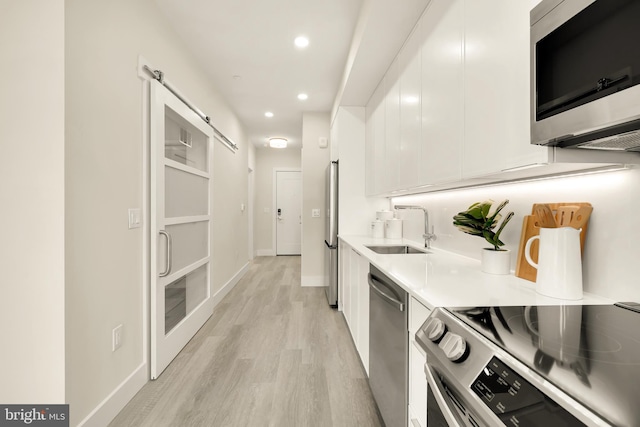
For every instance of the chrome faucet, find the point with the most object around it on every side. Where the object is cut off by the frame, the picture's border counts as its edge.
(428, 236)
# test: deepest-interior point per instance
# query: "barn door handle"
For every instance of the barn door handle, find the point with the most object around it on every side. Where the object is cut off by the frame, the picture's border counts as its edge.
(168, 258)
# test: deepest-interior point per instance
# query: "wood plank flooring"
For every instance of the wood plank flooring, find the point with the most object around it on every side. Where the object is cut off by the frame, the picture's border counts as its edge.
(272, 354)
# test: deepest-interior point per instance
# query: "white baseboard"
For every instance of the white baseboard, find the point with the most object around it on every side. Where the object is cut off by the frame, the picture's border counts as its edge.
(265, 252)
(230, 284)
(107, 410)
(312, 281)
(111, 406)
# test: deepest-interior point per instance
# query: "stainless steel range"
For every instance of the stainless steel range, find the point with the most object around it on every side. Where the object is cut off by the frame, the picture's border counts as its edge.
(533, 366)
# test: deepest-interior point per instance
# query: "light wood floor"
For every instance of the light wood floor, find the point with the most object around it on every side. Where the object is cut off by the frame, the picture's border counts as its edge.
(272, 354)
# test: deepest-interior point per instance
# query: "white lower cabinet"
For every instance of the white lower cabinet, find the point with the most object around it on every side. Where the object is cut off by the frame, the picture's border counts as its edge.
(418, 313)
(354, 303)
(417, 386)
(354, 273)
(362, 296)
(354, 295)
(344, 302)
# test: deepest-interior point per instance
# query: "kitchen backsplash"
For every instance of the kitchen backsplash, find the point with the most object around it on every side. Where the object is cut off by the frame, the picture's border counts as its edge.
(611, 263)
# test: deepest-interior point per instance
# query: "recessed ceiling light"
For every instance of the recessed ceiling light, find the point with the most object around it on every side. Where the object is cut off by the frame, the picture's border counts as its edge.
(268, 114)
(301, 42)
(412, 99)
(302, 96)
(277, 143)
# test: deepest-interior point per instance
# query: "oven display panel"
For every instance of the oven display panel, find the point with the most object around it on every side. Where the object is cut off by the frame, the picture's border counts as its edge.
(515, 401)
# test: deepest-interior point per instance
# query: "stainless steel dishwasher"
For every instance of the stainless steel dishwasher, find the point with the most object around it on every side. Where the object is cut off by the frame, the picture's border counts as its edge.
(388, 347)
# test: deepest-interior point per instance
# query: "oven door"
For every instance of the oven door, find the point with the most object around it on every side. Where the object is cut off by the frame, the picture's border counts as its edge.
(444, 409)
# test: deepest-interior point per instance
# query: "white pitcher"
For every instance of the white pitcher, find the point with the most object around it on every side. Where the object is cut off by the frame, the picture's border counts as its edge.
(559, 263)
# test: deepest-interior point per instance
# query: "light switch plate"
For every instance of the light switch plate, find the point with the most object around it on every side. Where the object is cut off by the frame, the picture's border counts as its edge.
(116, 337)
(315, 213)
(135, 220)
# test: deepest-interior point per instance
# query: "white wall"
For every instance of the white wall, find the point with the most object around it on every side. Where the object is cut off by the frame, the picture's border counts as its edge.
(314, 163)
(32, 365)
(610, 263)
(268, 159)
(105, 144)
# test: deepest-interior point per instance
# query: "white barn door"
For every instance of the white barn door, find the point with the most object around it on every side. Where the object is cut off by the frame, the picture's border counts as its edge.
(181, 163)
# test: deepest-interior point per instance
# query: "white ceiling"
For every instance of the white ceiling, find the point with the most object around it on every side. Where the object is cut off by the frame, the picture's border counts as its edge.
(247, 48)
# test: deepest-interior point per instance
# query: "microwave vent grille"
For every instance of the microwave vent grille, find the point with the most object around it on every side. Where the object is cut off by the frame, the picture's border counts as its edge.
(629, 141)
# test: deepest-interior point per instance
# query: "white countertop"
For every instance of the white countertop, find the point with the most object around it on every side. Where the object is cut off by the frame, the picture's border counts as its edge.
(445, 279)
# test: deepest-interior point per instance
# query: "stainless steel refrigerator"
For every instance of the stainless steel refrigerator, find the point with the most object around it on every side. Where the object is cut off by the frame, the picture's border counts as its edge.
(331, 234)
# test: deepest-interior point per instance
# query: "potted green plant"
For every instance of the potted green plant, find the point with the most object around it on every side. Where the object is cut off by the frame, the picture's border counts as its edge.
(480, 220)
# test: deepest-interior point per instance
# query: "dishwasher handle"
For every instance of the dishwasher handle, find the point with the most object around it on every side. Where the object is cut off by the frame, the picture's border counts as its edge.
(374, 283)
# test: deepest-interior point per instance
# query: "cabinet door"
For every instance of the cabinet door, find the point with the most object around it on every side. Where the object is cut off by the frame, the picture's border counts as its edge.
(369, 151)
(442, 33)
(363, 311)
(518, 151)
(375, 167)
(354, 273)
(391, 128)
(409, 61)
(344, 278)
(417, 383)
(496, 84)
(418, 313)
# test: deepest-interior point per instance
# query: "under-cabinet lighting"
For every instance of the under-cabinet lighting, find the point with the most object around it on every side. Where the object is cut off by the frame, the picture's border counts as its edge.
(521, 168)
(610, 168)
(471, 186)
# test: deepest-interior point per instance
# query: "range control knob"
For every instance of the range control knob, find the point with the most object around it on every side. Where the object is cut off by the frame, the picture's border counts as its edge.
(435, 329)
(454, 347)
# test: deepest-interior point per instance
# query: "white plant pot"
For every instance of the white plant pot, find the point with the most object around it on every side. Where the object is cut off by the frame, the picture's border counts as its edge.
(496, 262)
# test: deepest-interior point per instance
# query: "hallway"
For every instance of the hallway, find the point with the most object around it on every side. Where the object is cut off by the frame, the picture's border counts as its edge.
(272, 354)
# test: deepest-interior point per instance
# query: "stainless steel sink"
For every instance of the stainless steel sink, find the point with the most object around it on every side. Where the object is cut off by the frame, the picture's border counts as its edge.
(397, 249)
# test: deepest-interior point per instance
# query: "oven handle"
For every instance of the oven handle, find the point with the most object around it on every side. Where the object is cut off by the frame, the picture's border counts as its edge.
(438, 394)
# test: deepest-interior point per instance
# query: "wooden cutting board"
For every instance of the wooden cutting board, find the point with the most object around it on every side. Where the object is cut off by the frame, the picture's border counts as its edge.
(531, 227)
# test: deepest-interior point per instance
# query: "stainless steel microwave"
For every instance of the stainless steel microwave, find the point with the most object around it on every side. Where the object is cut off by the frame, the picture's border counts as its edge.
(585, 74)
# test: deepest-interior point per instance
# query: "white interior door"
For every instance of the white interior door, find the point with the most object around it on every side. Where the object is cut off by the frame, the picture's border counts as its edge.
(181, 152)
(288, 212)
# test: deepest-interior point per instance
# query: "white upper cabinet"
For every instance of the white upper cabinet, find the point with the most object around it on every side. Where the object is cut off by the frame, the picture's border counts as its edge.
(369, 152)
(409, 159)
(392, 128)
(456, 104)
(375, 168)
(442, 34)
(496, 88)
